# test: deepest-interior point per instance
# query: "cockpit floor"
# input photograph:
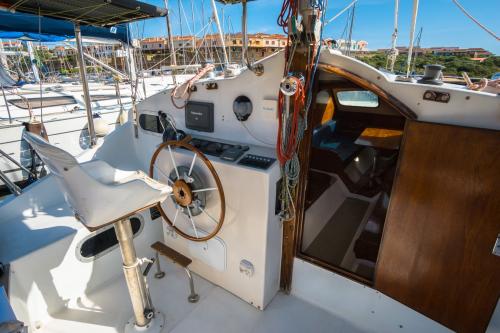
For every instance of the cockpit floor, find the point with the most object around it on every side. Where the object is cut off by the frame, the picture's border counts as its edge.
(106, 310)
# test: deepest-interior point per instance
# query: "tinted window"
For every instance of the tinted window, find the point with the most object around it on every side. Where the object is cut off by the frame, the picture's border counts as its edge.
(98, 243)
(150, 123)
(360, 98)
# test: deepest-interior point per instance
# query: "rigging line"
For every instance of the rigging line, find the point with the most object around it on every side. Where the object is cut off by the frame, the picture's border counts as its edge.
(90, 10)
(41, 83)
(194, 27)
(185, 17)
(196, 50)
(340, 13)
(17, 4)
(350, 29)
(475, 20)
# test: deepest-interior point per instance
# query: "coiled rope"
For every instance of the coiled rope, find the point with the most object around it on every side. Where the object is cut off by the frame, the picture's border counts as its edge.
(184, 90)
(288, 124)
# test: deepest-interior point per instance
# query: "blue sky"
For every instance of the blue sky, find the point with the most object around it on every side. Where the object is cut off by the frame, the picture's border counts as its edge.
(443, 23)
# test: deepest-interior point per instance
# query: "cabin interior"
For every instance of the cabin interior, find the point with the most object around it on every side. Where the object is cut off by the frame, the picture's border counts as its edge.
(354, 150)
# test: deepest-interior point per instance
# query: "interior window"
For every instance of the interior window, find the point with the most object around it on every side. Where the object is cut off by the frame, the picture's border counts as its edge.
(362, 98)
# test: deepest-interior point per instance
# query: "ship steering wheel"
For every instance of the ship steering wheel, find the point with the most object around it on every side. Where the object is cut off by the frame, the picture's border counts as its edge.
(189, 191)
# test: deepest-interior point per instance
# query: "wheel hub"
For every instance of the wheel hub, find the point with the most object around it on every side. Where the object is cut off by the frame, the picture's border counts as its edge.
(182, 193)
(184, 190)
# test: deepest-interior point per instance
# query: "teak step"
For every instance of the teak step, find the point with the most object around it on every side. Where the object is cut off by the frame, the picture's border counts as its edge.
(172, 254)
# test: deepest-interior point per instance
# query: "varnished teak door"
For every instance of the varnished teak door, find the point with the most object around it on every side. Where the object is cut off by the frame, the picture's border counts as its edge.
(443, 219)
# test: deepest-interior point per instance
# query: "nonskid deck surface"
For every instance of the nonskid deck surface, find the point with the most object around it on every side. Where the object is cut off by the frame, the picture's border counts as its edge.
(106, 310)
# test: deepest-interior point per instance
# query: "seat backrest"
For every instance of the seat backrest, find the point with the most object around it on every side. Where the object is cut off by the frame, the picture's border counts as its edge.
(74, 182)
(56, 159)
(95, 202)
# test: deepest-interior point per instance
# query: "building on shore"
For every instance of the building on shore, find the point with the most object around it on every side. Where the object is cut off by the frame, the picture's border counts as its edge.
(209, 48)
(474, 52)
(352, 45)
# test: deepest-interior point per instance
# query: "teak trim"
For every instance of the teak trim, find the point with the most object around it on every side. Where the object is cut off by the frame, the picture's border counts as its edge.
(292, 229)
(388, 98)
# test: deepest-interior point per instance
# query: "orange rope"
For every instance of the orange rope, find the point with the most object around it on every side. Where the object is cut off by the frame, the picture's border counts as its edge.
(286, 153)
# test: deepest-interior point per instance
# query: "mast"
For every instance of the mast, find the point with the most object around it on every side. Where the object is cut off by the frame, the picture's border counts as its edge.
(34, 68)
(85, 85)
(349, 45)
(394, 51)
(417, 47)
(221, 36)
(3, 56)
(412, 36)
(173, 58)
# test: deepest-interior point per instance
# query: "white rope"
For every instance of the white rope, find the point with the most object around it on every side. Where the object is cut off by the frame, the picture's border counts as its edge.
(474, 20)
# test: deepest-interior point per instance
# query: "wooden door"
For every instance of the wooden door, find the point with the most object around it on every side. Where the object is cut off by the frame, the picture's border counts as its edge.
(442, 223)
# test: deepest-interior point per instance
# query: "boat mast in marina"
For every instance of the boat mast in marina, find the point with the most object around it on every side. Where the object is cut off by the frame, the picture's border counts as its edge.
(83, 77)
(393, 52)
(220, 32)
(412, 36)
(173, 56)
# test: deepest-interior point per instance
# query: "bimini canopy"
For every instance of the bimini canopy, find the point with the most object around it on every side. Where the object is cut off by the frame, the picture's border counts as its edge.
(32, 27)
(102, 13)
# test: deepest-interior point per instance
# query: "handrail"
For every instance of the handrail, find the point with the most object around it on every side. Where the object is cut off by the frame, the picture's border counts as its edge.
(16, 163)
(14, 189)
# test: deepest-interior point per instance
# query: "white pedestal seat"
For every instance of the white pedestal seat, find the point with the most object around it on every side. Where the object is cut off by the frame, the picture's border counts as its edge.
(100, 195)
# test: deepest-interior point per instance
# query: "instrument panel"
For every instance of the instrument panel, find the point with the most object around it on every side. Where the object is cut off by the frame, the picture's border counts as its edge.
(225, 151)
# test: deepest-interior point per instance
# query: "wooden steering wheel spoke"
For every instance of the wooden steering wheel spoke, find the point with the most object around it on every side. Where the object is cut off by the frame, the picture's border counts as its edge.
(184, 194)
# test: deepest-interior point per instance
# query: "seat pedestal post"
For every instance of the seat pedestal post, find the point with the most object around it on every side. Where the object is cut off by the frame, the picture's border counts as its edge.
(139, 294)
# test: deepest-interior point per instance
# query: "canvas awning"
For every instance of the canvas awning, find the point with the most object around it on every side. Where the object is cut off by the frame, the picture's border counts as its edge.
(102, 13)
(33, 27)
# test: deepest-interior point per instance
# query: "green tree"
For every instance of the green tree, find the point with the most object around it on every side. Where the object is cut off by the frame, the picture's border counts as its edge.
(454, 65)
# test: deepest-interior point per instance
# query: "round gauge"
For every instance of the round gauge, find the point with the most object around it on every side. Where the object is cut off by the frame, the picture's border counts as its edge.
(242, 108)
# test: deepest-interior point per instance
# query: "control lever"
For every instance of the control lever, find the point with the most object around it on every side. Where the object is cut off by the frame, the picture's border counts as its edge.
(148, 266)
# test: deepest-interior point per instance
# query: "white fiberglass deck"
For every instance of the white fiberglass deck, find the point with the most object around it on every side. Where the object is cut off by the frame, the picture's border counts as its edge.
(107, 310)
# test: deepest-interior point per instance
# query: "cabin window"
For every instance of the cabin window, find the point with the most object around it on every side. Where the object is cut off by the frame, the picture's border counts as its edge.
(36, 103)
(104, 241)
(361, 98)
(150, 123)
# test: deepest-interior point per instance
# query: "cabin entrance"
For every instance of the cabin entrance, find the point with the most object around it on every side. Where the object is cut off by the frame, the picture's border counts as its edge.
(442, 222)
(354, 150)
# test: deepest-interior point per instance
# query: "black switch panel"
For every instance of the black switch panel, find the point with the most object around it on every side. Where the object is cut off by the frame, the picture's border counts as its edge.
(256, 161)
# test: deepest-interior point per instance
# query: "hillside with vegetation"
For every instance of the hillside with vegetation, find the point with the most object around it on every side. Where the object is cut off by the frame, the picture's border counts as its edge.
(454, 65)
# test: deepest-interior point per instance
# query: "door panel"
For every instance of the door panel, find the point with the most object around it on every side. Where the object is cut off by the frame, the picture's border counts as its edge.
(442, 223)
